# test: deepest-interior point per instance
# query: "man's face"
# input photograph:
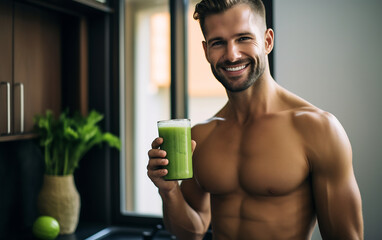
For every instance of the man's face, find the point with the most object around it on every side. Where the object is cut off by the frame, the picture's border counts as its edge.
(234, 47)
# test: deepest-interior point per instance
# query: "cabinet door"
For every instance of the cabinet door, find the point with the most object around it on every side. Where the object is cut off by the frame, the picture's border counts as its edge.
(5, 65)
(37, 64)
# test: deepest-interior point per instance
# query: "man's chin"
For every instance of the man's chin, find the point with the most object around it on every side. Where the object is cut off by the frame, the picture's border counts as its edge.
(236, 88)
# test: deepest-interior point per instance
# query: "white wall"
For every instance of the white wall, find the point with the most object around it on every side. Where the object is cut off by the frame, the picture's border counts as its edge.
(329, 52)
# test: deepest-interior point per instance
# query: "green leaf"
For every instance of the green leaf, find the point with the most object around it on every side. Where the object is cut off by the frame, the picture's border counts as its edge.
(67, 139)
(112, 140)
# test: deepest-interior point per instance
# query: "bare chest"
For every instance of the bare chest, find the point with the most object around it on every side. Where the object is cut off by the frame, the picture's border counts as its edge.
(264, 159)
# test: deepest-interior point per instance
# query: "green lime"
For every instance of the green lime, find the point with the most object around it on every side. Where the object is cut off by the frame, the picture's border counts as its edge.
(46, 228)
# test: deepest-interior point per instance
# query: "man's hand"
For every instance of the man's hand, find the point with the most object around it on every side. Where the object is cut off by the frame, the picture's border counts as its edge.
(157, 162)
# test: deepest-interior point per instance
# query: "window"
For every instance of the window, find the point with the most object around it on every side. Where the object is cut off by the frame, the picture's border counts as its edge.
(147, 99)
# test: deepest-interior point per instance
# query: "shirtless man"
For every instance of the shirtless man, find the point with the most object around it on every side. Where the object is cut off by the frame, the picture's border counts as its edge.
(268, 164)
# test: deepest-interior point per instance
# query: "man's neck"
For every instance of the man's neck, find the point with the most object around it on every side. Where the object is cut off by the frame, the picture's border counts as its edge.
(254, 102)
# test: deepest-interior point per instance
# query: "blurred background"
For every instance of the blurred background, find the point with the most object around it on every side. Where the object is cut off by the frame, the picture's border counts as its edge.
(140, 61)
(327, 52)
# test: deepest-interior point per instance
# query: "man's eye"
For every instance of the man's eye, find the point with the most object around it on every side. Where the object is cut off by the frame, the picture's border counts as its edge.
(217, 43)
(244, 38)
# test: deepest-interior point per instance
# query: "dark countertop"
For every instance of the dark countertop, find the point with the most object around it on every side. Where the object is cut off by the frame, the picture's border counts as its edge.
(87, 230)
(83, 231)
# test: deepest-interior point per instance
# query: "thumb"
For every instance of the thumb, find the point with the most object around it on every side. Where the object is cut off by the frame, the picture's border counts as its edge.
(193, 145)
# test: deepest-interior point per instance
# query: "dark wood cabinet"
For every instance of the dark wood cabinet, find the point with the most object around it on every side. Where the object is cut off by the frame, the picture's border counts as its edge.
(30, 68)
(6, 64)
(44, 59)
(65, 55)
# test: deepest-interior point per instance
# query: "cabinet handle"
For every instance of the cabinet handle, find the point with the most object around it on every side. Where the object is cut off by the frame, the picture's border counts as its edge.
(8, 106)
(21, 106)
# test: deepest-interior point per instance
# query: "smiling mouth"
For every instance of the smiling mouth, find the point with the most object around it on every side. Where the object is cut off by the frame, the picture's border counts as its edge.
(235, 69)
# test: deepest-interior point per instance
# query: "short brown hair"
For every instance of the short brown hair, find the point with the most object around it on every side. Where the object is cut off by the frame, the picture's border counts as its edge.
(207, 7)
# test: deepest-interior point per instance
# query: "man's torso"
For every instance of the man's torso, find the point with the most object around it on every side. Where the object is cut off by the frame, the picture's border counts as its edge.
(258, 177)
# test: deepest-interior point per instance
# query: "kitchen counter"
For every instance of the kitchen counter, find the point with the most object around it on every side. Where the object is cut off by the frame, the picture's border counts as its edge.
(84, 230)
(92, 231)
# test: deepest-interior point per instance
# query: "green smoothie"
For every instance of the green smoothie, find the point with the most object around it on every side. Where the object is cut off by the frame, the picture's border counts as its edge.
(176, 136)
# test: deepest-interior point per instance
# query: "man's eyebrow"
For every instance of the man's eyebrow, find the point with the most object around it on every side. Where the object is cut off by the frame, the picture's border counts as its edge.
(244, 34)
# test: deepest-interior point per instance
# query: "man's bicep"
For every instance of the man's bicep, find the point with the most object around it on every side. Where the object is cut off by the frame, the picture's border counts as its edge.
(338, 206)
(336, 193)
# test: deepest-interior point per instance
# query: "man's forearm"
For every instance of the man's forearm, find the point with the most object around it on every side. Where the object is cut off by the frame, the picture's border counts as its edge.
(180, 218)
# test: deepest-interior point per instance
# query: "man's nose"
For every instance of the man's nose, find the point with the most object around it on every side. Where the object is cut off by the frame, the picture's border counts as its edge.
(233, 52)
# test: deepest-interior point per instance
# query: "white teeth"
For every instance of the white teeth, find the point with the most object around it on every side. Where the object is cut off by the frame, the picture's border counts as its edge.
(232, 69)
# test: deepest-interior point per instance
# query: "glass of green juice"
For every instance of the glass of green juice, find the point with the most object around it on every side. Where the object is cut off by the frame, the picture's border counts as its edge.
(176, 134)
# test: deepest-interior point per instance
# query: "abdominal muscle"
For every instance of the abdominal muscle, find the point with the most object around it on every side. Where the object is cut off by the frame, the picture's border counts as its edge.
(240, 216)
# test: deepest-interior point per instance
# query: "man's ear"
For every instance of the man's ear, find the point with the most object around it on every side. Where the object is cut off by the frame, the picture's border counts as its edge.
(204, 43)
(269, 40)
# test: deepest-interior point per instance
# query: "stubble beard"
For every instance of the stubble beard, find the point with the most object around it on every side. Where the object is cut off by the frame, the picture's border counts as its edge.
(256, 70)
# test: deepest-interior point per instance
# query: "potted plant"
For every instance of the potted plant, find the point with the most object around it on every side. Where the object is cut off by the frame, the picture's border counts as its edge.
(65, 141)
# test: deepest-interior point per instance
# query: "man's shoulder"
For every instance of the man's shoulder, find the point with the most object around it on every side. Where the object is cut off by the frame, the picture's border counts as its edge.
(322, 134)
(311, 118)
(201, 130)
